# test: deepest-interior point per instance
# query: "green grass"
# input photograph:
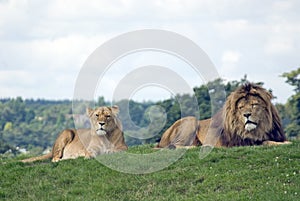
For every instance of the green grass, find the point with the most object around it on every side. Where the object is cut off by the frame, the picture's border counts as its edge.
(240, 173)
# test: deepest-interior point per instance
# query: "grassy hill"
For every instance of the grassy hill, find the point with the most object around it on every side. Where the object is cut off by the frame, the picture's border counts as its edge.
(240, 173)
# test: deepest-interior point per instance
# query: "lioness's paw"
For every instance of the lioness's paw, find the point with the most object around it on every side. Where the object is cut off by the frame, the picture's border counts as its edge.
(111, 151)
(55, 160)
(89, 156)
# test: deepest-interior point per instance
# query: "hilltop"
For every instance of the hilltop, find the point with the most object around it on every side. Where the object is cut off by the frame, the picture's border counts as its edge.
(239, 173)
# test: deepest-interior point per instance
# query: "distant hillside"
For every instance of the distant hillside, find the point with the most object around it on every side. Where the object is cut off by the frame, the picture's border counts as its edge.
(33, 125)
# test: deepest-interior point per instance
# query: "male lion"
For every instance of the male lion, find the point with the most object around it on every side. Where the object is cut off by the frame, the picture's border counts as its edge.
(247, 118)
(105, 136)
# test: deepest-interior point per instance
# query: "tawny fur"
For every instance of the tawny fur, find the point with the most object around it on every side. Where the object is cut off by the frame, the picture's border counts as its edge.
(247, 118)
(105, 136)
(181, 133)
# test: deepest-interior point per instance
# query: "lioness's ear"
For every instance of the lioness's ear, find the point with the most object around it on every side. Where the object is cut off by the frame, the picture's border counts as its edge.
(115, 110)
(89, 112)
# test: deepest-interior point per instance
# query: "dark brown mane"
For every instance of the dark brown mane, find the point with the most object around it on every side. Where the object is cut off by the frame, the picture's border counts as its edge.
(224, 122)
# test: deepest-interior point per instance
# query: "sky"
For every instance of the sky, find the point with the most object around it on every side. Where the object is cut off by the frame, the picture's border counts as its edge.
(44, 44)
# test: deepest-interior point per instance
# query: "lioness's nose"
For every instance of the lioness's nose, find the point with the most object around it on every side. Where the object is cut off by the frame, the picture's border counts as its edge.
(247, 114)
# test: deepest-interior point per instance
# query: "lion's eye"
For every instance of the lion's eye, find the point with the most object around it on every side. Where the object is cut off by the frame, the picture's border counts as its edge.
(107, 116)
(254, 105)
(97, 115)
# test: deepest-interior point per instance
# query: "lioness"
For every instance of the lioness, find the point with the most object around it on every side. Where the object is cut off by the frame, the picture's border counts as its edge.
(105, 136)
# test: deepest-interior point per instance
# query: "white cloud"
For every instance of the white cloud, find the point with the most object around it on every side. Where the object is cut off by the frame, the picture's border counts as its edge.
(229, 63)
(235, 27)
(16, 77)
(282, 6)
(283, 38)
(50, 40)
(231, 57)
(283, 28)
(279, 45)
(69, 9)
(133, 62)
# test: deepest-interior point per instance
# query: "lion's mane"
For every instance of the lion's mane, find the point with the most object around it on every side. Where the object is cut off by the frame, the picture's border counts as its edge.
(231, 132)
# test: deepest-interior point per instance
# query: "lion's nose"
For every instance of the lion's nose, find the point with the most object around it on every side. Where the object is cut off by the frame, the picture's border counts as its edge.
(101, 123)
(247, 114)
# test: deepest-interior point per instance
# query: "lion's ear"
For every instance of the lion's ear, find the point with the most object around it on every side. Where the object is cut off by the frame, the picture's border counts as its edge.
(89, 112)
(115, 110)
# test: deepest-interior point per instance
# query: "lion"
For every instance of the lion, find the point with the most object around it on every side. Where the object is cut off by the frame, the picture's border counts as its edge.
(248, 117)
(105, 136)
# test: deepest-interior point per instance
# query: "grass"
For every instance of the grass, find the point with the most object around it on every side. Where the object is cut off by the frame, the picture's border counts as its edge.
(239, 173)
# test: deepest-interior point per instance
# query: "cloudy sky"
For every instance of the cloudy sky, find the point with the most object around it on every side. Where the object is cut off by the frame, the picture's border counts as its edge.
(44, 44)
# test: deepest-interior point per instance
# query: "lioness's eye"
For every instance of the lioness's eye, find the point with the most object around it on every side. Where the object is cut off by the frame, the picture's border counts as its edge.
(97, 115)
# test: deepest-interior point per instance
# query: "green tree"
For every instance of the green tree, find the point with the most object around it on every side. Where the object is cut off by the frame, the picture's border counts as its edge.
(292, 107)
(293, 78)
(8, 126)
(101, 101)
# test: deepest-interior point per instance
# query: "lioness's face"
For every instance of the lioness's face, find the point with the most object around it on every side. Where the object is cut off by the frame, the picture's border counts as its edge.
(251, 111)
(103, 119)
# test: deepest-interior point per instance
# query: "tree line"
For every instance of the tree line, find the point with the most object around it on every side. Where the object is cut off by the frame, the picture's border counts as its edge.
(33, 125)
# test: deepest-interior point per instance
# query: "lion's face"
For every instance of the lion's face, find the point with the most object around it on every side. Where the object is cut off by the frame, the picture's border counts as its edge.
(103, 119)
(248, 113)
(251, 112)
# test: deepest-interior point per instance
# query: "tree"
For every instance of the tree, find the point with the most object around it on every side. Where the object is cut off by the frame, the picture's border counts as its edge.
(293, 78)
(292, 107)
(35, 124)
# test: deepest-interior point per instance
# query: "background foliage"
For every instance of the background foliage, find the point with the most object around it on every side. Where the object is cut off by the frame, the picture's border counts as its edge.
(34, 124)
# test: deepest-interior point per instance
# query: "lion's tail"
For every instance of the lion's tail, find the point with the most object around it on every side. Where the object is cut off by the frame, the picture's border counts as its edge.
(37, 158)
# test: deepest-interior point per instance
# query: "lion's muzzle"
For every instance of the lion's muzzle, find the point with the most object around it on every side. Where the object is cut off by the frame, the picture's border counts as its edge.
(250, 124)
(101, 130)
